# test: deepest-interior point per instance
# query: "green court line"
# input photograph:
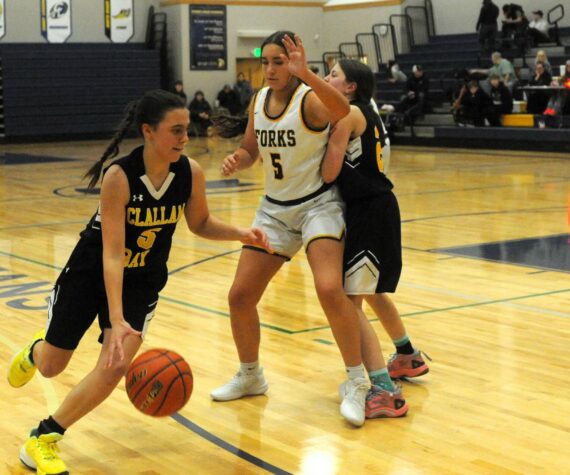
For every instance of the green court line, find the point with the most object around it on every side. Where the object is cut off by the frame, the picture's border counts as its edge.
(324, 327)
(455, 307)
(220, 313)
(324, 342)
(26, 259)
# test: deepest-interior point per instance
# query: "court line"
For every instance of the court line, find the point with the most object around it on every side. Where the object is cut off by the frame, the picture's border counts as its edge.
(206, 259)
(227, 446)
(456, 307)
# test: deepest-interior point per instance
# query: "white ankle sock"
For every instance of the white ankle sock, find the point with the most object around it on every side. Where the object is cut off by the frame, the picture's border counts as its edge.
(355, 371)
(249, 368)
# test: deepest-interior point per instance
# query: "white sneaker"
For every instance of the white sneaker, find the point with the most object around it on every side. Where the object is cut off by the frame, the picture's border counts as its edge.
(241, 385)
(353, 393)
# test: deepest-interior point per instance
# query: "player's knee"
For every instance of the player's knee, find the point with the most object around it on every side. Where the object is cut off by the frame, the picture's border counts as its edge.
(50, 368)
(113, 375)
(329, 290)
(240, 297)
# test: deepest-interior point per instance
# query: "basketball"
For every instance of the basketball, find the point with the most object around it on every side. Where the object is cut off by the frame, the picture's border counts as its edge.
(159, 382)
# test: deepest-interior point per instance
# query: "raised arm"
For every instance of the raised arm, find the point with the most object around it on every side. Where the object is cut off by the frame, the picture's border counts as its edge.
(327, 104)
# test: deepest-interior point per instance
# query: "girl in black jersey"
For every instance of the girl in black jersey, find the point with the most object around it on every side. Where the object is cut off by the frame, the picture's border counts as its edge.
(373, 251)
(118, 267)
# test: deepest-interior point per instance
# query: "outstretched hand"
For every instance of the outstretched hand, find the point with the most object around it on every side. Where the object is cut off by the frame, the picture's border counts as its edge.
(295, 58)
(230, 164)
(119, 332)
(256, 237)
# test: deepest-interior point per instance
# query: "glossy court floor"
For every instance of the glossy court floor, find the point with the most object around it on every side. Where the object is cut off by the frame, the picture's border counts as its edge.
(485, 292)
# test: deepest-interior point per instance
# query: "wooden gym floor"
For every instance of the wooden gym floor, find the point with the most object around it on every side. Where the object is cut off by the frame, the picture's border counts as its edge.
(495, 319)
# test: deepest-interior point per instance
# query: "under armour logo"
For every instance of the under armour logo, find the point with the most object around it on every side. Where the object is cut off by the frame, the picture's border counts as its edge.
(137, 197)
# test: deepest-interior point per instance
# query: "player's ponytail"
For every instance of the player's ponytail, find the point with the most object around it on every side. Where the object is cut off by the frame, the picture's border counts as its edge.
(150, 109)
(360, 74)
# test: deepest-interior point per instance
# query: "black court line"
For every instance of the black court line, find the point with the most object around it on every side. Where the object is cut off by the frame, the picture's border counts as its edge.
(174, 271)
(228, 447)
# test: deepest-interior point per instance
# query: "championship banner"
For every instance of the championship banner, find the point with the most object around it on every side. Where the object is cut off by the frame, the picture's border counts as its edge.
(2, 18)
(208, 38)
(55, 20)
(119, 20)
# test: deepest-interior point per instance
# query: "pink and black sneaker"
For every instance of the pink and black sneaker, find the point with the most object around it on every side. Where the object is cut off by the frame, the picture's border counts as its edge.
(383, 403)
(408, 366)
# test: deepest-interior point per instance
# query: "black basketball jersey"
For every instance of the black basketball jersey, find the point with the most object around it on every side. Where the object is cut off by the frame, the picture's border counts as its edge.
(362, 171)
(151, 216)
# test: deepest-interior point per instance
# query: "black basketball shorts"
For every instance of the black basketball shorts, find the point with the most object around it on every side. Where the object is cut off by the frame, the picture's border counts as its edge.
(373, 247)
(79, 296)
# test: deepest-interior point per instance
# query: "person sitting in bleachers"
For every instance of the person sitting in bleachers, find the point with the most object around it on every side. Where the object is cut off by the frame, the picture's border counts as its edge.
(415, 100)
(394, 72)
(501, 96)
(178, 89)
(200, 111)
(474, 106)
(228, 98)
(501, 67)
(538, 29)
(541, 56)
(538, 100)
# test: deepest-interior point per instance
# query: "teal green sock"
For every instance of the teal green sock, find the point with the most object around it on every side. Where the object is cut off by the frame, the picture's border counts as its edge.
(381, 378)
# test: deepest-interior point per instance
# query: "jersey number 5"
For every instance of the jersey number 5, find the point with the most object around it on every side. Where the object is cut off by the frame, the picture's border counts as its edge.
(277, 168)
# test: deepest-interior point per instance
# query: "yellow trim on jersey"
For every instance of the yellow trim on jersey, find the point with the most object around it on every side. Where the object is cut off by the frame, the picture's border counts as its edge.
(327, 236)
(302, 117)
(264, 250)
(284, 113)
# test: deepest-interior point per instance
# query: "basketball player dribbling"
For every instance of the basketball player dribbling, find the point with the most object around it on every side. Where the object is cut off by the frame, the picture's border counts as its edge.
(373, 253)
(288, 127)
(119, 265)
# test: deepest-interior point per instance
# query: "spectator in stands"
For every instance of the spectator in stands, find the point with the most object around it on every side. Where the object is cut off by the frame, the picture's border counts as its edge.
(501, 97)
(487, 25)
(200, 111)
(315, 70)
(515, 24)
(394, 73)
(415, 100)
(244, 90)
(538, 29)
(538, 100)
(504, 69)
(541, 57)
(179, 91)
(474, 106)
(228, 99)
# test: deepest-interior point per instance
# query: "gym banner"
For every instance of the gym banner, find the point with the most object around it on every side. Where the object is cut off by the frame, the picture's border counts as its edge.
(119, 20)
(208, 38)
(55, 20)
(2, 18)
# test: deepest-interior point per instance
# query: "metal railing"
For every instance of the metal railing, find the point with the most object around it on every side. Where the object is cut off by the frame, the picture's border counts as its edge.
(420, 24)
(554, 15)
(320, 65)
(386, 38)
(156, 38)
(370, 50)
(430, 18)
(404, 32)
(351, 50)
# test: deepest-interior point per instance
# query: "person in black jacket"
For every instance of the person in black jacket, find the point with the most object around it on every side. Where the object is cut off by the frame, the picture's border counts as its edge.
(538, 100)
(229, 99)
(474, 106)
(502, 101)
(415, 100)
(200, 111)
(487, 25)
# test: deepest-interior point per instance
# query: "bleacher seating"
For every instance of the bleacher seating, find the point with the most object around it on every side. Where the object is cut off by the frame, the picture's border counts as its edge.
(445, 54)
(72, 89)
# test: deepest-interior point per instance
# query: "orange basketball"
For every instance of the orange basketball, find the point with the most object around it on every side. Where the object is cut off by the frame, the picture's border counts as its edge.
(159, 382)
